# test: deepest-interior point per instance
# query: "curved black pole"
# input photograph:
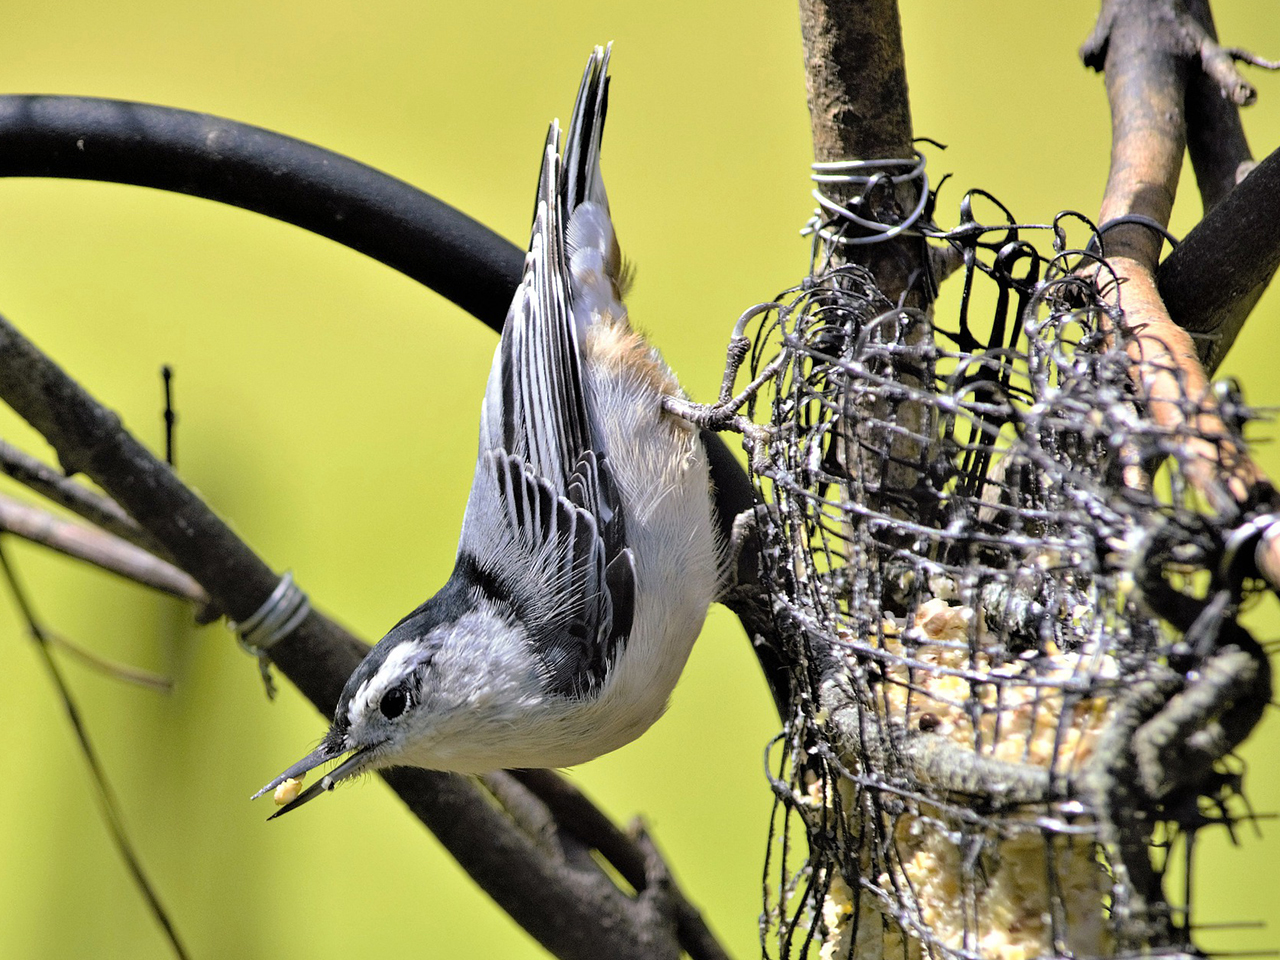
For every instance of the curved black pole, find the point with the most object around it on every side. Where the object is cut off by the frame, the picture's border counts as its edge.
(86, 138)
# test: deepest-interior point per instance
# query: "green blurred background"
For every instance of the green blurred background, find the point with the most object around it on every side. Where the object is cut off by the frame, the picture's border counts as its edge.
(328, 411)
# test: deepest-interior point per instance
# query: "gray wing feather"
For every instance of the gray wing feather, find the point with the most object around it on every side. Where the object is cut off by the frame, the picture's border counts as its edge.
(545, 516)
(535, 405)
(548, 560)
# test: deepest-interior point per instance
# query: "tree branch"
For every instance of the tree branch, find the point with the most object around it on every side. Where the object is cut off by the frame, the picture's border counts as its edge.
(1143, 47)
(859, 110)
(856, 78)
(103, 550)
(573, 912)
(1215, 137)
(1217, 275)
(575, 813)
(101, 511)
(1140, 50)
(1170, 83)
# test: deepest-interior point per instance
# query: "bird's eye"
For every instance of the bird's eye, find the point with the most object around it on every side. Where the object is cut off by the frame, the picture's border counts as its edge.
(393, 702)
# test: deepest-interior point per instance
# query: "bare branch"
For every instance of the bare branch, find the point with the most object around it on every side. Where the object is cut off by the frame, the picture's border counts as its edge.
(1215, 137)
(99, 510)
(855, 74)
(101, 549)
(856, 78)
(1177, 392)
(1171, 84)
(1212, 282)
(1145, 80)
(1220, 155)
(528, 811)
(631, 857)
(576, 913)
(1143, 47)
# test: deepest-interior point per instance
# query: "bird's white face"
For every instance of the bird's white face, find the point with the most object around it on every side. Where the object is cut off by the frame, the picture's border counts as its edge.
(444, 694)
(381, 707)
(425, 689)
(449, 700)
(379, 715)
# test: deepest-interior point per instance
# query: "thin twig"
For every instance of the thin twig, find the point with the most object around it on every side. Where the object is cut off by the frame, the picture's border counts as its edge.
(92, 506)
(112, 668)
(170, 418)
(103, 550)
(107, 801)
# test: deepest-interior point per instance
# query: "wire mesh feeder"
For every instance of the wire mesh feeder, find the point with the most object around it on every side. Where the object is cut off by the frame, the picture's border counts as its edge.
(1017, 673)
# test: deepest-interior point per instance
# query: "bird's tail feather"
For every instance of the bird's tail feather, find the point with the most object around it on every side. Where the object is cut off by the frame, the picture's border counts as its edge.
(599, 277)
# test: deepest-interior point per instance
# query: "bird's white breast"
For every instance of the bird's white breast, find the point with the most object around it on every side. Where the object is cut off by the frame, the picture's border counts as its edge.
(660, 466)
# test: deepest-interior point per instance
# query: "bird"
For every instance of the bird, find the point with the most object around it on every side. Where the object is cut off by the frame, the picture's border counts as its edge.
(588, 556)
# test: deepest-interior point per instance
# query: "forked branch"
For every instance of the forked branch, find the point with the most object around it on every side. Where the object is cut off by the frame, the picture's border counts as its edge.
(1171, 84)
(1148, 50)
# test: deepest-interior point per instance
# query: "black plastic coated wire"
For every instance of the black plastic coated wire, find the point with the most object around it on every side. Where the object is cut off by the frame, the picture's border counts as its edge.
(86, 138)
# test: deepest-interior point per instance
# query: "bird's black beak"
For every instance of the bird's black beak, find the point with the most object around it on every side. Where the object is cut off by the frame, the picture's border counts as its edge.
(331, 748)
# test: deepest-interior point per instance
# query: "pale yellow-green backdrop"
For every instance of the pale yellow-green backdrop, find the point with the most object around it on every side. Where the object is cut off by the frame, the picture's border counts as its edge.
(328, 411)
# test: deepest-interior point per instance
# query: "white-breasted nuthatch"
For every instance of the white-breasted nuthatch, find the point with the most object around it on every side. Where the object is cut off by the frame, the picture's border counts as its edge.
(588, 556)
